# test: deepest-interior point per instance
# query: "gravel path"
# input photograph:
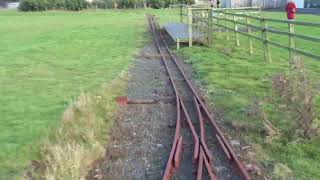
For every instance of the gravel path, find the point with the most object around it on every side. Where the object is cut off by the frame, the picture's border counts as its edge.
(141, 141)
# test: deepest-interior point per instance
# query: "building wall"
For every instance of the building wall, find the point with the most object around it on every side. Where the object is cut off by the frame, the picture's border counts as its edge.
(13, 5)
(3, 4)
(255, 3)
(271, 3)
(300, 3)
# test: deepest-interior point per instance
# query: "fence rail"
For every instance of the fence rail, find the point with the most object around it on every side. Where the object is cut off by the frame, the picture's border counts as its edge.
(266, 31)
(222, 18)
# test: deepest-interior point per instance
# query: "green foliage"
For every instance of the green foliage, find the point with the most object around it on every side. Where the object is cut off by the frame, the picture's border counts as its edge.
(99, 4)
(295, 98)
(33, 5)
(56, 4)
(157, 3)
(42, 5)
(129, 3)
(281, 171)
(75, 5)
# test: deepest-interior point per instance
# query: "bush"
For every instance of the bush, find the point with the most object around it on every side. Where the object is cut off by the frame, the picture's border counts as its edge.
(42, 5)
(165, 3)
(56, 4)
(33, 5)
(157, 3)
(99, 4)
(75, 5)
(295, 95)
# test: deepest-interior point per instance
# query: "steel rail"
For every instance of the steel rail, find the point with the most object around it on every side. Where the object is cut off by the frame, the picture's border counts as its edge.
(204, 156)
(171, 165)
(176, 150)
(224, 143)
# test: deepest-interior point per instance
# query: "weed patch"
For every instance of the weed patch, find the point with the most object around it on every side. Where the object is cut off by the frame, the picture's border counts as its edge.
(81, 137)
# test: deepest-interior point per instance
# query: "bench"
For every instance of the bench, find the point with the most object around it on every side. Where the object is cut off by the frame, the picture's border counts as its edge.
(179, 32)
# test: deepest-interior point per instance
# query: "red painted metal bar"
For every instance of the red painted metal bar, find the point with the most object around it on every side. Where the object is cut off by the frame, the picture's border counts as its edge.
(193, 131)
(170, 167)
(223, 147)
(178, 153)
(202, 131)
(177, 148)
(200, 165)
(209, 169)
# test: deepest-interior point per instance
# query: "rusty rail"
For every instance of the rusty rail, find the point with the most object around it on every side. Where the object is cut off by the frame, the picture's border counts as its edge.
(201, 153)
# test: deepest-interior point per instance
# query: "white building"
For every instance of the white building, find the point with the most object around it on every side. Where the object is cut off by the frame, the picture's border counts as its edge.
(300, 3)
(13, 5)
(253, 3)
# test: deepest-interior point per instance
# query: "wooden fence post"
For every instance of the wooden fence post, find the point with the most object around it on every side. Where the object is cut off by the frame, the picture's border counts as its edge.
(170, 13)
(291, 40)
(190, 26)
(218, 22)
(249, 38)
(178, 43)
(264, 34)
(225, 24)
(198, 16)
(181, 20)
(235, 31)
(209, 27)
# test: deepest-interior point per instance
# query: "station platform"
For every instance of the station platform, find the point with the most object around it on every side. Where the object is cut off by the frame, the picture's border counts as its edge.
(179, 32)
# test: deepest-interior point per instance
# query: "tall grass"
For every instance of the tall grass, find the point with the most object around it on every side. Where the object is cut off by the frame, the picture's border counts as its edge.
(81, 137)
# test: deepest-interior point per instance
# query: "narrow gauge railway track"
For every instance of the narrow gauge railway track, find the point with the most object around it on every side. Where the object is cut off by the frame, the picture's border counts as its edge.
(199, 149)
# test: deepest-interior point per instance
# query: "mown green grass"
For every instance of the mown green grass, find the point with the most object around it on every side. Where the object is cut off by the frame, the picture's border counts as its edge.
(234, 80)
(47, 59)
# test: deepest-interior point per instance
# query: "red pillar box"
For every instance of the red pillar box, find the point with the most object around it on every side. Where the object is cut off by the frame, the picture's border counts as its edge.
(291, 9)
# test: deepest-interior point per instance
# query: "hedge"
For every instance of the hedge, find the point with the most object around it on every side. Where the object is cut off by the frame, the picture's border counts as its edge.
(42, 5)
(76, 5)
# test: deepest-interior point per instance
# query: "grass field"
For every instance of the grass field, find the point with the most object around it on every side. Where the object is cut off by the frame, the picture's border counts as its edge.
(236, 81)
(55, 67)
(47, 60)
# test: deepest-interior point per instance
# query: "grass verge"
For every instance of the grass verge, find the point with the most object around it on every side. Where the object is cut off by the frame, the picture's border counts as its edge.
(240, 85)
(47, 60)
(81, 137)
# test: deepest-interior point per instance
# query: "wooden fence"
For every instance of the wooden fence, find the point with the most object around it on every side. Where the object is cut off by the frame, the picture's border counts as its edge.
(230, 21)
(265, 32)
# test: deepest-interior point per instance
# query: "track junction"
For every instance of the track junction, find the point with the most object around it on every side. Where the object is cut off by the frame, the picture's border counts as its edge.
(199, 148)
